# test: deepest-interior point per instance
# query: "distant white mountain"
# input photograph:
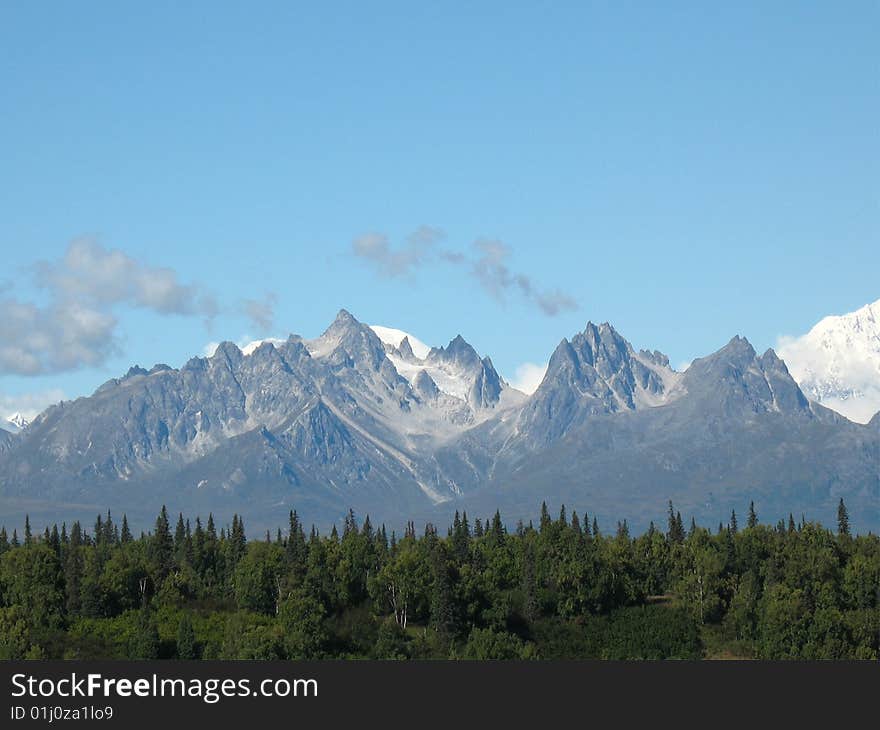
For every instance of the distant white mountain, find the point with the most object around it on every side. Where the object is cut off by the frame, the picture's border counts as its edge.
(14, 423)
(837, 363)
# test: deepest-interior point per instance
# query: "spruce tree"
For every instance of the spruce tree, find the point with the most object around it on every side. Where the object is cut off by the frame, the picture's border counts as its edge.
(675, 529)
(753, 516)
(544, 524)
(733, 525)
(576, 523)
(186, 639)
(145, 641)
(179, 538)
(842, 519)
(28, 538)
(125, 536)
(162, 545)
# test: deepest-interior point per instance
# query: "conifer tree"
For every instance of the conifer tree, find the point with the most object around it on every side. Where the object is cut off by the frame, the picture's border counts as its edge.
(186, 639)
(125, 536)
(441, 611)
(675, 531)
(842, 519)
(733, 525)
(497, 527)
(544, 524)
(28, 538)
(576, 523)
(145, 641)
(753, 516)
(162, 545)
(180, 539)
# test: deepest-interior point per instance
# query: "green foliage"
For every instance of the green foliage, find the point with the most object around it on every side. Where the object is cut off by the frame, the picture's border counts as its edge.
(491, 644)
(562, 591)
(302, 621)
(186, 639)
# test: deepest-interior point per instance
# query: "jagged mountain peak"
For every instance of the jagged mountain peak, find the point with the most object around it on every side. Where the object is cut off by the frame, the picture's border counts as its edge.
(737, 379)
(595, 372)
(227, 352)
(457, 352)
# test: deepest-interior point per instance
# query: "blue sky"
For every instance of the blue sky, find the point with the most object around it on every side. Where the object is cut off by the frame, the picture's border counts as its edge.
(686, 172)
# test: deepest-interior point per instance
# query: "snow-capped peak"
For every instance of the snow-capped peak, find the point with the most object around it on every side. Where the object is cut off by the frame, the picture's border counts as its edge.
(14, 423)
(395, 337)
(837, 363)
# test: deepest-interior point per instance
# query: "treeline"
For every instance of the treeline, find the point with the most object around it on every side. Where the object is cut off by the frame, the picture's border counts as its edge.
(559, 589)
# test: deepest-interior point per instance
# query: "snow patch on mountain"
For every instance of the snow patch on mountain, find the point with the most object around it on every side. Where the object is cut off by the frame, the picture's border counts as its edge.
(395, 337)
(245, 344)
(837, 363)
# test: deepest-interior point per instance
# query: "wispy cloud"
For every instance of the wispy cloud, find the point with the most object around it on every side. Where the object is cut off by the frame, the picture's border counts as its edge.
(493, 272)
(261, 313)
(488, 262)
(376, 250)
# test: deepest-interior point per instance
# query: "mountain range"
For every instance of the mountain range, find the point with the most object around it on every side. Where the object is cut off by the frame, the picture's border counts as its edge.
(372, 419)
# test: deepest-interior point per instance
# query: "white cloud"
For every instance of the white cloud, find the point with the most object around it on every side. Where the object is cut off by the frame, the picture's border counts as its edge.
(528, 377)
(90, 273)
(60, 336)
(76, 326)
(29, 405)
